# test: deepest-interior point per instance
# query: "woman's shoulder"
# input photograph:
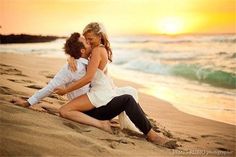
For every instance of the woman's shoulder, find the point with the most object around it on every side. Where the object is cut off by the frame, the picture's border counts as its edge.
(99, 49)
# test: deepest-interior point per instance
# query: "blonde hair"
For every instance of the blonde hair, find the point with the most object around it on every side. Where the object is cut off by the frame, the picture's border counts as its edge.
(99, 29)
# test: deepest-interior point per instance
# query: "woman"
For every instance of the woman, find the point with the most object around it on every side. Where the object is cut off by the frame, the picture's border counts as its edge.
(102, 91)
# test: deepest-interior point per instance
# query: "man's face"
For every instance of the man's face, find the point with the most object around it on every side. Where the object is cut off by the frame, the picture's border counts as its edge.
(87, 46)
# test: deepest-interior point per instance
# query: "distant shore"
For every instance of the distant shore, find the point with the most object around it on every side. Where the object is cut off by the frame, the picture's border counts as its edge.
(26, 38)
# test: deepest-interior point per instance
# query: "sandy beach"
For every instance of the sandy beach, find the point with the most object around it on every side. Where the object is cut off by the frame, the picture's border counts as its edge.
(25, 132)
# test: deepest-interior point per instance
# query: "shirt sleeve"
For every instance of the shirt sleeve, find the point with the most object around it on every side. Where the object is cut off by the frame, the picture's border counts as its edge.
(60, 79)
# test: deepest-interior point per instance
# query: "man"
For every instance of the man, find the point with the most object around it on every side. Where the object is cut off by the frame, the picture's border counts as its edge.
(77, 48)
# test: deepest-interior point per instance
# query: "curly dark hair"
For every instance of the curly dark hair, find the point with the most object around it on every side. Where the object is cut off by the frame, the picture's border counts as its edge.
(73, 46)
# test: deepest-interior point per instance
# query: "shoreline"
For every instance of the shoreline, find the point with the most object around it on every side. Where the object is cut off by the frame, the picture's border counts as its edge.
(193, 133)
(179, 97)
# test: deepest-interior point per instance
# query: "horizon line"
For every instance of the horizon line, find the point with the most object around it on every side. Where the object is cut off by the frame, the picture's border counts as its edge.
(138, 34)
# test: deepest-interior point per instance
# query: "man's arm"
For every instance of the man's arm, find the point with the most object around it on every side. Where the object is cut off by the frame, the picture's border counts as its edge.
(63, 77)
(87, 78)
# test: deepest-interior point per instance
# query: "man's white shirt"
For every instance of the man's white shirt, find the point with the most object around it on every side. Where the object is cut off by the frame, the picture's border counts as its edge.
(63, 78)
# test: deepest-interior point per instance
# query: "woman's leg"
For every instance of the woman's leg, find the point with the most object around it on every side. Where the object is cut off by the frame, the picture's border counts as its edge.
(74, 111)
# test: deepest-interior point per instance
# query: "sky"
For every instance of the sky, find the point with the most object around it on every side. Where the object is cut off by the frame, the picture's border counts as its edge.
(120, 17)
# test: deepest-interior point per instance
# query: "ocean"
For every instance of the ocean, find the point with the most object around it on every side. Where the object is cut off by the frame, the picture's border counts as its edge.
(195, 73)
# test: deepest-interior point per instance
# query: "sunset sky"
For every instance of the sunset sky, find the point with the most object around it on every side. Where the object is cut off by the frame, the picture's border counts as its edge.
(61, 17)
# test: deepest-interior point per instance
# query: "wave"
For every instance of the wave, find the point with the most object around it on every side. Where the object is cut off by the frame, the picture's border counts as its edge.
(225, 40)
(213, 77)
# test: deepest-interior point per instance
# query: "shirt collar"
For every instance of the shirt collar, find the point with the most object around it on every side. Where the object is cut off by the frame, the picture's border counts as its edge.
(83, 60)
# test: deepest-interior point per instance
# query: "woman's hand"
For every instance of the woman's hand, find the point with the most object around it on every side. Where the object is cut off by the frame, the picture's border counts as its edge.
(60, 91)
(72, 64)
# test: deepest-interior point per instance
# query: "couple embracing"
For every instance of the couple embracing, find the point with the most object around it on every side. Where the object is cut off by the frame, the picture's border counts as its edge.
(93, 98)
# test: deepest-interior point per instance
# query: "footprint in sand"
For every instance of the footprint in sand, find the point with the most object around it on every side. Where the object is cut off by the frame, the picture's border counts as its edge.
(55, 96)
(194, 138)
(75, 127)
(223, 149)
(132, 134)
(34, 86)
(113, 143)
(52, 111)
(219, 143)
(20, 81)
(124, 141)
(47, 74)
(4, 65)
(10, 70)
(183, 140)
(8, 91)
(206, 136)
(167, 133)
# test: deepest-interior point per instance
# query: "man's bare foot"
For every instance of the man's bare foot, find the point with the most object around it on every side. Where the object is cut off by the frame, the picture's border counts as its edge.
(153, 137)
(106, 126)
(156, 139)
(20, 102)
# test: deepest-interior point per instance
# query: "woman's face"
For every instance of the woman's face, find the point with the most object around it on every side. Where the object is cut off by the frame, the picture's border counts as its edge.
(92, 39)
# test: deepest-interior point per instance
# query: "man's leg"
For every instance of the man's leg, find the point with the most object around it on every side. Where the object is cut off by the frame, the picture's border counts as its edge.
(119, 104)
(135, 113)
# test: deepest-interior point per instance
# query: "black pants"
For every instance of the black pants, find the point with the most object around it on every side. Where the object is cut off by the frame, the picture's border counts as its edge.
(119, 104)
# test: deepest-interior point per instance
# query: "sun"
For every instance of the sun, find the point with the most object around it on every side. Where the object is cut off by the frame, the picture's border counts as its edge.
(170, 25)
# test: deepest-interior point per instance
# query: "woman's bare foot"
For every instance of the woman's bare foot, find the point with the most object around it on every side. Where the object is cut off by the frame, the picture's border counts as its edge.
(153, 137)
(20, 102)
(106, 126)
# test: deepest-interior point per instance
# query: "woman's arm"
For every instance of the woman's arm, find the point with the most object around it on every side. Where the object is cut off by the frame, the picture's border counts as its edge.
(91, 70)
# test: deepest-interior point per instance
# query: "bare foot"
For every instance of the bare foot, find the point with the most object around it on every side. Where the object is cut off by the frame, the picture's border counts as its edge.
(171, 144)
(106, 126)
(153, 137)
(20, 102)
(157, 140)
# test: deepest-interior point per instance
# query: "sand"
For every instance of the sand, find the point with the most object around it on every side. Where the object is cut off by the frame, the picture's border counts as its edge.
(26, 132)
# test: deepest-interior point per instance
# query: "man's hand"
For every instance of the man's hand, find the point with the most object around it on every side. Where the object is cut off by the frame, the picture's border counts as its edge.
(72, 64)
(60, 91)
(20, 102)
